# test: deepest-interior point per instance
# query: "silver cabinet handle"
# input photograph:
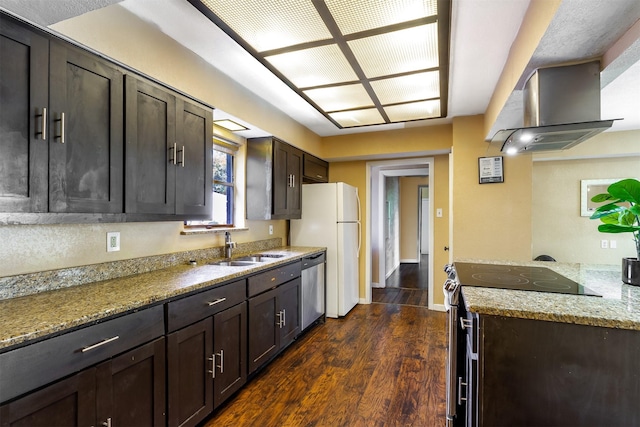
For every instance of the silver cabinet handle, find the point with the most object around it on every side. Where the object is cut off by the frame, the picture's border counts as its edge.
(101, 343)
(61, 120)
(107, 423)
(465, 323)
(293, 181)
(279, 314)
(43, 124)
(218, 301)
(221, 365)
(181, 162)
(284, 317)
(460, 385)
(212, 359)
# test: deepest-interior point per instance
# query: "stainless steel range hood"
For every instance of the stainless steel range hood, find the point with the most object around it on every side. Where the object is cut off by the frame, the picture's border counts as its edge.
(561, 109)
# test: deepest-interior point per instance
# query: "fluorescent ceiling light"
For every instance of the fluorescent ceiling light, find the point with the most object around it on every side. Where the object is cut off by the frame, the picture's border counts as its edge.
(358, 62)
(230, 125)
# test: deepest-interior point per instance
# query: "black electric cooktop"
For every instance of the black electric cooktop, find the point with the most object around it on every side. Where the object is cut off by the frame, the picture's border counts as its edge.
(523, 278)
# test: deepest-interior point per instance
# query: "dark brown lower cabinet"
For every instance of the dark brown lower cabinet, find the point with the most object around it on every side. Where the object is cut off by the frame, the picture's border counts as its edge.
(69, 402)
(206, 365)
(128, 390)
(274, 322)
(131, 387)
(539, 373)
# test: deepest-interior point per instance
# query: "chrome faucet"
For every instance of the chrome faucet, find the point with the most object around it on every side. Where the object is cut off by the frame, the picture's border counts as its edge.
(228, 245)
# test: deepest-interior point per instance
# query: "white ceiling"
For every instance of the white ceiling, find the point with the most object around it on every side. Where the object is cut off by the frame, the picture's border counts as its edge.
(482, 34)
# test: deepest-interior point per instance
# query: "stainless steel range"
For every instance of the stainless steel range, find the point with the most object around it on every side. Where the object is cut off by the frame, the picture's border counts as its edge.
(525, 278)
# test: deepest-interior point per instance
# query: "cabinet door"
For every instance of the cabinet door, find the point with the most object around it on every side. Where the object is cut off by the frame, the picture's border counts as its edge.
(264, 333)
(294, 190)
(281, 179)
(85, 133)
(190, 382)
(24, 94)
(131, 387)
(289, 307)
(230, 349)
(69, 402)
(194, 129)
(151, 148)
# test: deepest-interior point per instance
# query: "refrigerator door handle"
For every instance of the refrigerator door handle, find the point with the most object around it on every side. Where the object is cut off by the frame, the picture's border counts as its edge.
(359, 238)
(359, 209)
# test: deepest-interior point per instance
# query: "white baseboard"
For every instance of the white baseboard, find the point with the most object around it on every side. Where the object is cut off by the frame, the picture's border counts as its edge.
(438, 307)
(409, 261)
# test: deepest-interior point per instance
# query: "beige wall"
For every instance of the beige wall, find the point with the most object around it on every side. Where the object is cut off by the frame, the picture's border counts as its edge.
(410, 142)
(409, 218)
(491, 221)
(558, 228)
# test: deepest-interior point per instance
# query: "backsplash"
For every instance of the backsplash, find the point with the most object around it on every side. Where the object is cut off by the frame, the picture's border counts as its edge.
(27, 284)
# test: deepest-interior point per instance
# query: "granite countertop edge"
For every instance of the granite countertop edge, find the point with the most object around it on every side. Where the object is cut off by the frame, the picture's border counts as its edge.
(34, 317)
(621, 311)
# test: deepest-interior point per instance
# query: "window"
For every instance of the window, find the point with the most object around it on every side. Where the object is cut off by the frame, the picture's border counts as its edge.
(223, 186)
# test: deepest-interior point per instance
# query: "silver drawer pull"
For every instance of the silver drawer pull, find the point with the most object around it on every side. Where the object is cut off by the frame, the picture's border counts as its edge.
(218, 301)
(465, 323)
(460, 385)
(107, 423)
(221, 365)
(101, 343)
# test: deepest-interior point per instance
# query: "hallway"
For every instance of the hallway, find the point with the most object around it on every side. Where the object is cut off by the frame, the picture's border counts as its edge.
(407, 285)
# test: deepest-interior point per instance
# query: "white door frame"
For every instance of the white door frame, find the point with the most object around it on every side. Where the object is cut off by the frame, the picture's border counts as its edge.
(375, 173)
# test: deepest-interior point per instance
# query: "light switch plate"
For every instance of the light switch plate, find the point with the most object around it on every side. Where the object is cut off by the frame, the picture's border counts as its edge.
(113, 241)
(439, 213)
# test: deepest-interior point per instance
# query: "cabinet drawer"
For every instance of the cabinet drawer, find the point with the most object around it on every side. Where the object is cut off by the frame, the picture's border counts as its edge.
(35, 365)
(196, 307)
(272, 278)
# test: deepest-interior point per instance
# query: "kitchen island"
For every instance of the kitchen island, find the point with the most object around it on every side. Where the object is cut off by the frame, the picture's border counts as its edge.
(540, 358)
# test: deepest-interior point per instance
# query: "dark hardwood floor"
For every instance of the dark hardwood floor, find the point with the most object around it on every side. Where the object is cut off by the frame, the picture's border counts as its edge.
(407, 285)
(381, 365)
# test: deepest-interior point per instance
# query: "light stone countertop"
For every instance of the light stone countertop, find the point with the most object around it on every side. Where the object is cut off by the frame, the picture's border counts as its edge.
(36, 316)
(619, 306)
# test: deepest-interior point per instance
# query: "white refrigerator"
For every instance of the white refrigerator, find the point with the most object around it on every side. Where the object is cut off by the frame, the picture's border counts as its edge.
(331, 218)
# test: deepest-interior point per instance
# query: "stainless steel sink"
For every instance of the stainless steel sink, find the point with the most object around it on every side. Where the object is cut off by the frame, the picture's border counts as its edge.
(234, 263)
(252, 258)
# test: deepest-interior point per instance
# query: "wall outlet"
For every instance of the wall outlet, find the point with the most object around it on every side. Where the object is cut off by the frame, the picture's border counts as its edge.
(439, 213)
(604, 244)
(270, 229)
(613, 244)
(113, 241)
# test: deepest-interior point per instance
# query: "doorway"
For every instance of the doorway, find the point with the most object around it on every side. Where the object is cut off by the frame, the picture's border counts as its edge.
(380, 219)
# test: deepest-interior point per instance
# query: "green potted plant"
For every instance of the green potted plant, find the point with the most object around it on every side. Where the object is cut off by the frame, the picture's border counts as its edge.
(622, 215)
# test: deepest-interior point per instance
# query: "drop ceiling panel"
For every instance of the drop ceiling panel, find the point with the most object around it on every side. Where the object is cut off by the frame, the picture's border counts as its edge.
(314, 67)
(353, 16)
(414, 111)
(412, 87)
(268, 25)
(398, 52)
(365, 117)
(340, 97)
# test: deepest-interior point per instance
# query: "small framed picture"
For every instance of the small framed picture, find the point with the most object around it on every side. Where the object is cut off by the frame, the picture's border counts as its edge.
(490, 170)
(590, 188)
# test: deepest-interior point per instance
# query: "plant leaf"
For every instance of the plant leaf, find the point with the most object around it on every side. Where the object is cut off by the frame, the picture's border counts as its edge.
(627, 189)
(605, 210)
(615, 228)
(603, 197)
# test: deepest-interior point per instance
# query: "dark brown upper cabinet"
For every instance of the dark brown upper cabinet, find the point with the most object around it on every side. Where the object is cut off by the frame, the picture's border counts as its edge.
(85, 132)
(24, 96)
(274, 179)
(314, 170)
(168, 152)
(60, 126)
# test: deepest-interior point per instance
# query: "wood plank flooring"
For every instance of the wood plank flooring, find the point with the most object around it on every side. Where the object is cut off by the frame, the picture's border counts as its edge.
(417, 297)
(382, 365)
(407, 285)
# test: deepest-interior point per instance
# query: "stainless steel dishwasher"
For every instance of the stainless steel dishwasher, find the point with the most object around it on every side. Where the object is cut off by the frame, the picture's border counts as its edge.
(313, 289)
